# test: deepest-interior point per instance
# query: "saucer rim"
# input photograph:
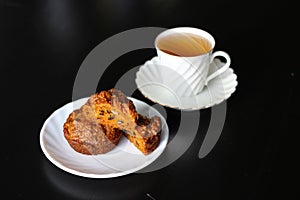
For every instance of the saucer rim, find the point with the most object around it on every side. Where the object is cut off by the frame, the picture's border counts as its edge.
(192, 108)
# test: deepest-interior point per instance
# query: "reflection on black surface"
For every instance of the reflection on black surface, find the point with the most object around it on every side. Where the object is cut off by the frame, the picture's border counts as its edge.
(76, 187)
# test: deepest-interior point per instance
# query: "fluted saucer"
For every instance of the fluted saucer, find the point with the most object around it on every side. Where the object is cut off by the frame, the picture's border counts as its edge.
(152, 84)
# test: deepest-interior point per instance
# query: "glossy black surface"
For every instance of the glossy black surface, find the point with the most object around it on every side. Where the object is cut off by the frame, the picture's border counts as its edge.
(43, 43)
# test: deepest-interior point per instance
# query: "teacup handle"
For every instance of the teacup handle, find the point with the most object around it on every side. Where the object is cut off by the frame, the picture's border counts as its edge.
(222, 69)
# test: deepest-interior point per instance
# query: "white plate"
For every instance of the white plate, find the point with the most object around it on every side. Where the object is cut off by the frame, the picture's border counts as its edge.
(151, 83)
(125, 158)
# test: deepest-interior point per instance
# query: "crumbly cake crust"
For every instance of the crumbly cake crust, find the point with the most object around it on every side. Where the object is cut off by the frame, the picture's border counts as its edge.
(85, 135)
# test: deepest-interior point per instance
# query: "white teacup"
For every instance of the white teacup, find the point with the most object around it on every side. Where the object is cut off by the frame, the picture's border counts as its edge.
(189, 52)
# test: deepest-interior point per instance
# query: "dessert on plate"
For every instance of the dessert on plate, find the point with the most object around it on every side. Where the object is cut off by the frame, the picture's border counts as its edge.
(99, 124)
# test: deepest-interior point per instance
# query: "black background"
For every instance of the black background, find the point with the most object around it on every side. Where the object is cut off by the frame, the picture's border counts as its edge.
(43, 43)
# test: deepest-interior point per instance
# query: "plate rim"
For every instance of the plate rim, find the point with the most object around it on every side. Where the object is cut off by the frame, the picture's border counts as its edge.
(94, 175)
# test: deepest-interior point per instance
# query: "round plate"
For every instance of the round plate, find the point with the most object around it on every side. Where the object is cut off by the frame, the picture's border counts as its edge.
(151, 81)
(124, 159)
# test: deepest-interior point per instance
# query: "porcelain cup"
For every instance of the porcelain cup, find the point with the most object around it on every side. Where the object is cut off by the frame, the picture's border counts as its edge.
(191, 69)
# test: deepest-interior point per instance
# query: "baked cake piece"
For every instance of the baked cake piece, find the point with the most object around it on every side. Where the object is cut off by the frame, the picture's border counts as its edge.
(114, 109)
(85, 135)
(146, 136)
(99, 124)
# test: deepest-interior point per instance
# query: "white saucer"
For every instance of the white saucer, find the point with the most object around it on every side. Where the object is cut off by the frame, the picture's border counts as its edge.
(150, 82)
